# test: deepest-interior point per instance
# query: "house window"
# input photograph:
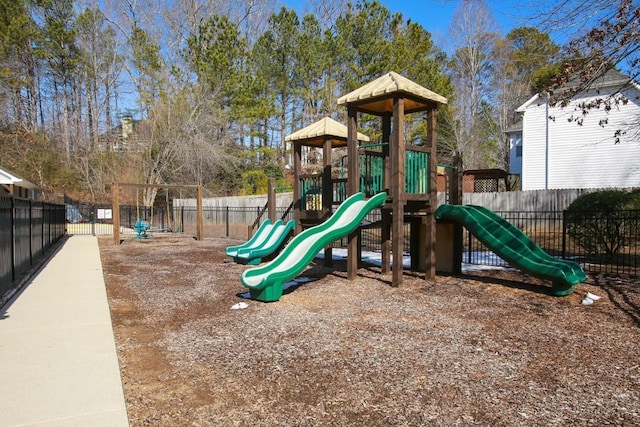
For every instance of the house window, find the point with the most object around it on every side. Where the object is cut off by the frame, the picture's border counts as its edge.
(519, 150)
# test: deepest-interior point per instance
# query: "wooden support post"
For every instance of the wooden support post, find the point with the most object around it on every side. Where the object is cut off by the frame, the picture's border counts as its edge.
(199, 220)
(327, 193)
(418, 243)
(386, 137)
(352, 188)
(297, 196)
(386, 182)
(397, 187)
(115, 189)
(455, 198)
(386, 241)
(271, 199)
(430, 270)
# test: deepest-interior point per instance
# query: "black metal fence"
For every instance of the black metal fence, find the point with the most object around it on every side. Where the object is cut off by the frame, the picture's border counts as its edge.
(557, 232)
(27, 230)
(602, 244)
(570, 237)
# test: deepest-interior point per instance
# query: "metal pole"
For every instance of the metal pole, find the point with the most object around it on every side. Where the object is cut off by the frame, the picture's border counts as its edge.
(227, 219)
(564, 234)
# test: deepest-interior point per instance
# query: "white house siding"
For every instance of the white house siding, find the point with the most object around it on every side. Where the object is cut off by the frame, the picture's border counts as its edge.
(580, 156)
(534, 134)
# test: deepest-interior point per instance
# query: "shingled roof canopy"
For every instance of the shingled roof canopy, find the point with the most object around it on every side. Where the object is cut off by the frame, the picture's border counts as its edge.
(315, 134)
(375, 97)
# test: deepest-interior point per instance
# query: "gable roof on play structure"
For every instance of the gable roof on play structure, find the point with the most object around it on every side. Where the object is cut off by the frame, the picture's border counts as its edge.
(326, 128)
(370, 96)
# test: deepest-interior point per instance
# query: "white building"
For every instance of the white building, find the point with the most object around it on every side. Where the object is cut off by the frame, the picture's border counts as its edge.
(576, 147)
(12, 184)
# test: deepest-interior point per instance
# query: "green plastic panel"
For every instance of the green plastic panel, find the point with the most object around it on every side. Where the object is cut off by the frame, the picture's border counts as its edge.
(416, 172)
(311, 193)
(371, 173)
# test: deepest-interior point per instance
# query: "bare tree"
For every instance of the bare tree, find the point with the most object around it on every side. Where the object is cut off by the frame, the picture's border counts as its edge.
(472, 35)
(601, 35)
(603, 44)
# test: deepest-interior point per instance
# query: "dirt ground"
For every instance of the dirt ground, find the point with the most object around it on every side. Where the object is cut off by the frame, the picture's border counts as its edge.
(491, 349)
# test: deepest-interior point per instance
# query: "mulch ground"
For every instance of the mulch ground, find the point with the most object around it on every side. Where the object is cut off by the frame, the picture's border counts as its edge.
(492, 348)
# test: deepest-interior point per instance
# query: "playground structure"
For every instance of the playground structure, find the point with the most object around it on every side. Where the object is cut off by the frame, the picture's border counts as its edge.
(401, 179)
(316, 195)
(142, 227)
(405, 170)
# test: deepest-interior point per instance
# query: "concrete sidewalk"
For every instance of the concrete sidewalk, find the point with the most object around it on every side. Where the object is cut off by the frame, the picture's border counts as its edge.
(58, 362)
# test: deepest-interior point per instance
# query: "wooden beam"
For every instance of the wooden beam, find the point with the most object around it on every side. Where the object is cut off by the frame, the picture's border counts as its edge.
(430, 220)
(327, 192)
(386, 182)
(397, 189)
(352, 187)
(271, 199)
(158, 186)
(297, 196)
(327, 186)
(199, 218)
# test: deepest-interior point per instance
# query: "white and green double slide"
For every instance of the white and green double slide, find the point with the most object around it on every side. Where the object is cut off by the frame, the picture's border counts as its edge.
(268, 239)
(266, 282)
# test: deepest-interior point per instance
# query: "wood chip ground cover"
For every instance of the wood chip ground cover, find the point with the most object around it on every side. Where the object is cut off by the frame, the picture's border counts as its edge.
(491, 348)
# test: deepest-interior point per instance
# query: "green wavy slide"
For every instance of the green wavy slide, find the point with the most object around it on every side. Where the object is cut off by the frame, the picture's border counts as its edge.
(264, 242)
(266, 282)
(515, 247)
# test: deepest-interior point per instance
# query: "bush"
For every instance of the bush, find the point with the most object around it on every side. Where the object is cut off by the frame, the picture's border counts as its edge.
(255, 182)
(603, 222)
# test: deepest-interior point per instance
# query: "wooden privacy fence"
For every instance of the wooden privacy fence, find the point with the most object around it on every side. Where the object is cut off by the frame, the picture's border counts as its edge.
(531, 200)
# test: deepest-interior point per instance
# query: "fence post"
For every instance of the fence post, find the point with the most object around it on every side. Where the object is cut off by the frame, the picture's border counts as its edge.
(42, 222)
(13, 238)
(93, 219)
(227, 219)
(30, 232)
(564, 234)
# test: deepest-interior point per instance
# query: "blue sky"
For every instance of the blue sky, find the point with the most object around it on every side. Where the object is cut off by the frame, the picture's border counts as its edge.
(435, 15)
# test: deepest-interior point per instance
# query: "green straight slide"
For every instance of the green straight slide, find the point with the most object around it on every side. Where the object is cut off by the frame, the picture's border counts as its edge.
(266, 282)
(264, 242)
(515, 247)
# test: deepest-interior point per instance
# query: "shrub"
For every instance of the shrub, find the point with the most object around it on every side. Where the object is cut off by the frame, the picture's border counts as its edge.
(255, 182)
(603, 222)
